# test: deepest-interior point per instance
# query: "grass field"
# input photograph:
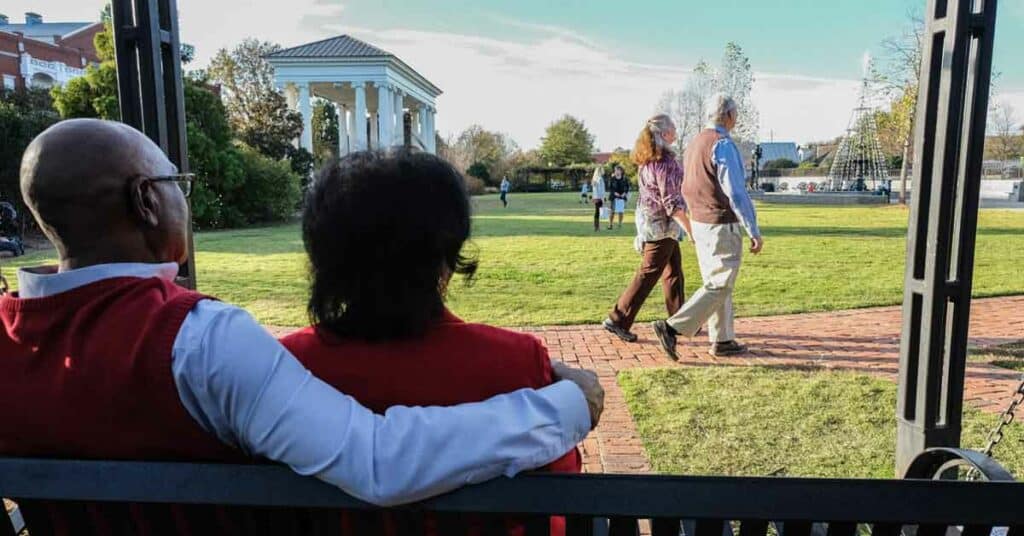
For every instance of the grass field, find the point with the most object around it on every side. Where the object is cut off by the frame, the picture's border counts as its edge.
(541, 263)
(759, 421)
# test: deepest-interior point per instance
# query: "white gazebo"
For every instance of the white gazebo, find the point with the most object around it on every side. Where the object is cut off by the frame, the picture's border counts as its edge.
(382, 102)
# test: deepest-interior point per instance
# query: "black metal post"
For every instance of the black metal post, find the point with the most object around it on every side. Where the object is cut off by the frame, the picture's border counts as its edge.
(150, 84)
(949, 141)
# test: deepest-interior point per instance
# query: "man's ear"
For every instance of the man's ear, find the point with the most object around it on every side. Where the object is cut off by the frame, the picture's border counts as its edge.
(143, 201)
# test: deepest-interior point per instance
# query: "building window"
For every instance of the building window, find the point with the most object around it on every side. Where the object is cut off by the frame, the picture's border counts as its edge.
(8, 81)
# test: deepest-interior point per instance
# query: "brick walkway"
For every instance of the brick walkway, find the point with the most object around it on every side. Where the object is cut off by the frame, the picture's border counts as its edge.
(863, 340)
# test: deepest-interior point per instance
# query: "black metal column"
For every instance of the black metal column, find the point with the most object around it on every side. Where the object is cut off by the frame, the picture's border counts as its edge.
(150, 84)
(949, 142)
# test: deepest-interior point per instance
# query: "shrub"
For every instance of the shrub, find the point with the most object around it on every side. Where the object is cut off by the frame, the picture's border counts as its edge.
(271, 191)
(782, 163)
(479, 170)
(475, 186)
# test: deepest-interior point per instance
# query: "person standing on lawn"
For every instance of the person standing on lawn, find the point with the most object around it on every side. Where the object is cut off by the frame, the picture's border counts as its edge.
(506, 186)
(599, 192)
(619, 190)
(715, 192)
(661, 214)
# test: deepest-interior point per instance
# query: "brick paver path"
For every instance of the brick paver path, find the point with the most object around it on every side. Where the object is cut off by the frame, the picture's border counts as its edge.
(863, 340)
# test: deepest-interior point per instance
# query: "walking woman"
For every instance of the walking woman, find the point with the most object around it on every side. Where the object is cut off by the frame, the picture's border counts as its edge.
(598, 191)
(661, 212)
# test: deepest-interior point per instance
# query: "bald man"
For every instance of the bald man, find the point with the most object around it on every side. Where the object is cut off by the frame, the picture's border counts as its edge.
(102, 356)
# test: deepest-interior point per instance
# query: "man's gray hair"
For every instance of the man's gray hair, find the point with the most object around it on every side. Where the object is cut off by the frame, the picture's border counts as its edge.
(721, 106)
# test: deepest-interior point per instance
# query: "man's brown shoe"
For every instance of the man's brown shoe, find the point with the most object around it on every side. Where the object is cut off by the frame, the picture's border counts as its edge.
(727, 348)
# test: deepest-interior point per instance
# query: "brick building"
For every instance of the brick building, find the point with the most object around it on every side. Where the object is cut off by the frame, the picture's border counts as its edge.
(45, 54)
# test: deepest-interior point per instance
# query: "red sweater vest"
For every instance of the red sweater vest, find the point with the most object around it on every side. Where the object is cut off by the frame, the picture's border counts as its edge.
(87, 374)
(455, 362)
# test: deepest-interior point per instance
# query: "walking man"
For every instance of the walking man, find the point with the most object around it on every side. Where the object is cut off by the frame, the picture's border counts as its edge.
(715, 193)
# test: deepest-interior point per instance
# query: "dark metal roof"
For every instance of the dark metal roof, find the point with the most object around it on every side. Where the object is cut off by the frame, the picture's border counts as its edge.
(342, 46)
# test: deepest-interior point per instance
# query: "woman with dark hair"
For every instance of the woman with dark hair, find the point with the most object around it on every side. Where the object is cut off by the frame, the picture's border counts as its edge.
(380, 266)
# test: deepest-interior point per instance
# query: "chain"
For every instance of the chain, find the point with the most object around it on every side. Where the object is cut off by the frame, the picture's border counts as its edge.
(1007, 417)
(996, 435)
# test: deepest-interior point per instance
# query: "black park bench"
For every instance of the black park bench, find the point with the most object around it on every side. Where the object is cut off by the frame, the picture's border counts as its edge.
(920, 505)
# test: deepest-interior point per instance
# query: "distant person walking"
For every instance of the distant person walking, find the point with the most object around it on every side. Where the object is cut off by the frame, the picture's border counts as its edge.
(720, 207)
(597, 187)
(661, 216)
(506, 185)
(585, 192)
(619, 193)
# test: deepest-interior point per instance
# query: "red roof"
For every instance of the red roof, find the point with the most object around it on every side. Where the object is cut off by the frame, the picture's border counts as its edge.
(600, 158)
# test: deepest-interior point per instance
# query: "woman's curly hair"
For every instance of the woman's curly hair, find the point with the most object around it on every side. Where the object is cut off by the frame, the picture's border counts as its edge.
(650, 147)
(384, 233)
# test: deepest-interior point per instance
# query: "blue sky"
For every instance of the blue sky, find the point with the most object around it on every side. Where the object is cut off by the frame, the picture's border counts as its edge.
(824, 38)
(516, 66)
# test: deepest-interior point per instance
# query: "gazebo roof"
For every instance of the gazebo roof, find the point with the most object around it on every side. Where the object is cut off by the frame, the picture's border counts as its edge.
(345, 51)
(342, 46)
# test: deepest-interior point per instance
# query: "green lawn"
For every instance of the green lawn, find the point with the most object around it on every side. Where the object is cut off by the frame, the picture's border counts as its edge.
(543, 264)
(759, 421)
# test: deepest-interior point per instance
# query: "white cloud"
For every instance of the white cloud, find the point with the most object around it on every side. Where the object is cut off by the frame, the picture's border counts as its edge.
(516, 87)
(520, 87)
(212, 25)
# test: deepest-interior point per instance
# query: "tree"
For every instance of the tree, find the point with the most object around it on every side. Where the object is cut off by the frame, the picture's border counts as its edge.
(23, 115)
(258, 112)
(480, 171)
(95, 93)
(736, 79)
(620, 157)
(567, 141)
(325, 131)
(1006, 139)
(476, 145)
(900, 77)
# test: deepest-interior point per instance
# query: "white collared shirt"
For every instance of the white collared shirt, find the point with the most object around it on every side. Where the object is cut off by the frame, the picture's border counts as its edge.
(241, 385)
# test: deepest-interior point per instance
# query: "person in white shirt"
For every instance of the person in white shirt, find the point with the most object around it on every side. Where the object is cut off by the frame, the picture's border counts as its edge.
(598, 189)
(233, 378)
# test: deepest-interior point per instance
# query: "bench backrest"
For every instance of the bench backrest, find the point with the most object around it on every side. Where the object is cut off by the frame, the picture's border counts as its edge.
(707, 505)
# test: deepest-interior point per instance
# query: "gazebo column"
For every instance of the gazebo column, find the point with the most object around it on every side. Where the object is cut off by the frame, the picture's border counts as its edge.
(399, 138)
(421, 131)
(358, 126)
(343, 146)
(431, 141)
(375, 130)
(385, 116)
(306, 109)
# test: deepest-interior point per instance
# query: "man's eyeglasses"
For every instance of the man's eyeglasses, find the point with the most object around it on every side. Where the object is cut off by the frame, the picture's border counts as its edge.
(183, 180)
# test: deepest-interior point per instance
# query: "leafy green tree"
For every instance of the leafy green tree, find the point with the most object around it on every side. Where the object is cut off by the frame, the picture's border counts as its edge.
(95, 93)
(480, 171)
(258, 112)
(621, 158)
(477, 145)
(325, 131)
(566, 141)
(23, 115)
